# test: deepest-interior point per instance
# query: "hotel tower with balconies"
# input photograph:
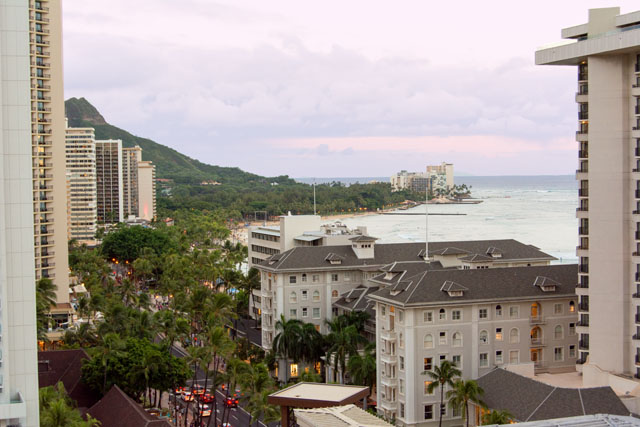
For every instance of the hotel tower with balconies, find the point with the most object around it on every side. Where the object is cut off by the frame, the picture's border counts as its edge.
(48, 145)
(606, 54)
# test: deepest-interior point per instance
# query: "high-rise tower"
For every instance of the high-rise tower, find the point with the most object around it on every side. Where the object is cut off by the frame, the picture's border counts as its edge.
(109, 181)
(130, 158)
(606, 54)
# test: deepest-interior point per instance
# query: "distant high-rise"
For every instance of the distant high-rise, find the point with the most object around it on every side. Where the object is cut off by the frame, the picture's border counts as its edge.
(81, 184)
(146, 190)
(130, 158)
(109, 181)
(21, 255)
(47, 140)
(606, 53)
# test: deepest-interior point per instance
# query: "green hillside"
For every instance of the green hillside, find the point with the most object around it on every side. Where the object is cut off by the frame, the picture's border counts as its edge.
(169, 163)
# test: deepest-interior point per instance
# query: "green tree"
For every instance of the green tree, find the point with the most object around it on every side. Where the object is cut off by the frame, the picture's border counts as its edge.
(362, 367)
(442, 376)
(343, 342)
(464, 392)
(56, 409)
(286, 343)
(126, 243)
(497, 416)
(45, 299)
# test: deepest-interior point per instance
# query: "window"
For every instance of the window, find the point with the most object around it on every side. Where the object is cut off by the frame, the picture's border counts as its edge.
(383, 309)
(401, 386)
(428, 412)
(557, 308)
(428, 363)
(498, 357)
(498, 310)
(483, 313)
(514, 311)
(316, 295)
(442, 357)
(428, 341)
(401, 410)
(572, 329)
(558, 354)
(484, 337)
(347, 277)
(294, 369)
(442, 340)
(315, 278)
(456, 339)
(456, 315)
(292, 279)
(304, 277)
(514, 357)
(498, 334)
(572, 307)
(316, 313)
(426, 387)
(334, 294)
(400, 316)
(456, 359)
(484, 360)
(427, 316)
(402, 363)
(293, 297)
(456, 412)
(514, 336)
(572, 350)
(443, 314)
(305, 311)
(401, 340)
(305, 295)
(334, 277)
(557, 332)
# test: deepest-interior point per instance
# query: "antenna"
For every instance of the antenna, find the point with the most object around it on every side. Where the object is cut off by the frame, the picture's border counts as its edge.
(314, 196)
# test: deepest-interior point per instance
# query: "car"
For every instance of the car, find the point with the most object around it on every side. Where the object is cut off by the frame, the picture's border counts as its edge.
(231, 402)
(205, 410)
(180, 390)
(197, 389)
(187, 396)
(238, 393)
(207, 398)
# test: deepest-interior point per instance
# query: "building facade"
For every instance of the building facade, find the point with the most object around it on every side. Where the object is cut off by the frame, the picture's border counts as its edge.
(81, 184)
(47, 140)
(606, 54)
(130, 158)
(438, 177)
(26, 199)
(109, 181)
(146, 190)
(521, 318)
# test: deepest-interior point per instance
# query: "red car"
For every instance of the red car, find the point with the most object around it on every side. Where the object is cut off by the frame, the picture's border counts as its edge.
(206, 398)
(232, 402)
(197, 389)
(180, 390)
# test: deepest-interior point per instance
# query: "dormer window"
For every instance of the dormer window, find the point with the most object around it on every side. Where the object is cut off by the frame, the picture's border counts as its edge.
(453, 289)
(545, 284)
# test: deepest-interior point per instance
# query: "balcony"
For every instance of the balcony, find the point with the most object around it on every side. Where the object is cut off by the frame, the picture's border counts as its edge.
(583, 77)
(536, 320)
(637, 109)
(637, 235)
(389, 405)
(388, 335)
(582, 323)
(41, 76)
(583, 268)
(39, 30)
(582, 209)
(388, 358)
(583, 192)
(38, 19)
(583, 307)
(581, 174)
(637, 317)
(583, 154)
(637, 359)
(638, 68)
(583, 345)
(582, 135)
(635, 90)
(636, 337)
(584, 284)
(583, 115)
(389, 382)
(537, 342)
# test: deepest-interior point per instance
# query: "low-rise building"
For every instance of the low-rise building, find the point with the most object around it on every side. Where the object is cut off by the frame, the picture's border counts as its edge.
(523, 318)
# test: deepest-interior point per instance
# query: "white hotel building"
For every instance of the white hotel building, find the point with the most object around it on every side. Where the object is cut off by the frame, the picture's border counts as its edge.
(606, 54)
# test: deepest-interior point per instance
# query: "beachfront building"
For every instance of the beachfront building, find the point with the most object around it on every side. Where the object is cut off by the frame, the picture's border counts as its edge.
(32, 193)
(521, 318)
(606, 54)
(109, 181)
(130, 158)
(81, 184)
(306, 282)
(436, 178)
(146, 190)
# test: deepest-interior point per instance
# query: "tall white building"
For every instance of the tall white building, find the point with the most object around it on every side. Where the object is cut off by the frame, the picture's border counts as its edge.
(130, 158)
(109, 181)
(606, 54)
(81, 184)
(146, 190)
(18, 183)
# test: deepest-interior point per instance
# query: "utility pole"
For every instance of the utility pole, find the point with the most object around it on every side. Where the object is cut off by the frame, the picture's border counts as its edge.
(426, 221)
(314, 196)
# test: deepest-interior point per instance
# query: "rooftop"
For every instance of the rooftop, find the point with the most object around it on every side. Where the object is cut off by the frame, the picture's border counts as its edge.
(340, 416)
(317, 395)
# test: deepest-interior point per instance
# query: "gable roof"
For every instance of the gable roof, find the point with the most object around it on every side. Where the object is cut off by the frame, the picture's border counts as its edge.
(314, 257)
(545, 281)
(362, 238)
(531, 400)
(482, 284)
(448, 251)
(450, 286)
(116, 409)
(476, 258)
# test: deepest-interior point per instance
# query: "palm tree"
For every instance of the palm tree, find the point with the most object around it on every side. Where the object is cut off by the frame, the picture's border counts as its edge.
(286, 343)
(235, 370)
(45, 299)
(362, 368)
(497, 416)
(464, 392)
(343, 343)
(258, 406)
(442, 376)
(312, 343)
(111, 348)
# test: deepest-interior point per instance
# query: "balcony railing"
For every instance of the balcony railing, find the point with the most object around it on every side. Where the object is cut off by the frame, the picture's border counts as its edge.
(582, 322)
(582, 209)
(583, 154)
(583, 192)
(583, 345)
(536, 320)
(584, 284)
(582, 247)
(582, 170)
(583, 268)
(582, 132)
(537, 341)
(583, 115)
(583, 90)
(583, 307)
(583, 76)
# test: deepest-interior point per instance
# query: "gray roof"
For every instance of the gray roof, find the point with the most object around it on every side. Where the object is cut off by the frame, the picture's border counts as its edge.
(481, 284)
(531, 400)
(307, 238)
(355, 299)
(363, 239)
(314, 257)
(598, 420)
(448, 251)
(476, 258)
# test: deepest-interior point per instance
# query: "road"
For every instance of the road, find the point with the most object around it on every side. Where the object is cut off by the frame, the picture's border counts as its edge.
(238, 417)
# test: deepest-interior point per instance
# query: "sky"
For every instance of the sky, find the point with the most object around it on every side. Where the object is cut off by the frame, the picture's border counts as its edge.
(334, 88)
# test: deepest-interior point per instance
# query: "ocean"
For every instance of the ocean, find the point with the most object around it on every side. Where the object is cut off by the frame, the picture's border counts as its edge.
(537, 210)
